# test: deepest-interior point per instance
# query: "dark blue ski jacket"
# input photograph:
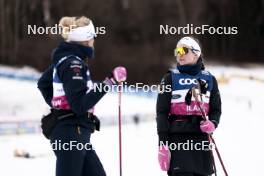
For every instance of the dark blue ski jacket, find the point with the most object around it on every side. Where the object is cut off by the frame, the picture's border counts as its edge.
(75, 89)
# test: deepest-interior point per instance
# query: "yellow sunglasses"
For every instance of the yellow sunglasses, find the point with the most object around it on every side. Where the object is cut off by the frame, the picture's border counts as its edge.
(180, 51)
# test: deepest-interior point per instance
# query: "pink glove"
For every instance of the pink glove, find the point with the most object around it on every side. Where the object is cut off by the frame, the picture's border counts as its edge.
(164, 158)
(207, 126)
(120, 74)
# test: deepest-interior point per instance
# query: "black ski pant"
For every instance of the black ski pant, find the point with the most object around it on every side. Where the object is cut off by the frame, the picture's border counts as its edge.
(80, 159)
(187, 174)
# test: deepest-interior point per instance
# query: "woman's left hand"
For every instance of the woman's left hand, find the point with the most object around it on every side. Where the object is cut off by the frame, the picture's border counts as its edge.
(207, 126)
(120, 74)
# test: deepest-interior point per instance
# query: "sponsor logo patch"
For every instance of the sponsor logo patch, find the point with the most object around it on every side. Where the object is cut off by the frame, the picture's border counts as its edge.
(77, 77)
(176, 96)
(76, 62)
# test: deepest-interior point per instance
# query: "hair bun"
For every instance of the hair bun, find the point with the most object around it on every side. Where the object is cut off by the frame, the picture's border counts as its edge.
(68, 23)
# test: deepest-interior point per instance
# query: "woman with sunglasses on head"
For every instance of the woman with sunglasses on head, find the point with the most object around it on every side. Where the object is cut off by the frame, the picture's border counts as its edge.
(183, 132)
(68, 89)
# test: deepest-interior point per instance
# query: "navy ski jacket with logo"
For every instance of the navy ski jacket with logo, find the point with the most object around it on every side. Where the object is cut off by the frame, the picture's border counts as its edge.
(73, 75)
(167, 121)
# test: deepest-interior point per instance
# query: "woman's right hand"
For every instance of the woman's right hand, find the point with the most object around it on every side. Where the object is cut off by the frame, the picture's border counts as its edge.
(164, 157)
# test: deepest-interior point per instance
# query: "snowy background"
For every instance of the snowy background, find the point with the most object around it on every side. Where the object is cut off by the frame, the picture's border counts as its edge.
(239, 136)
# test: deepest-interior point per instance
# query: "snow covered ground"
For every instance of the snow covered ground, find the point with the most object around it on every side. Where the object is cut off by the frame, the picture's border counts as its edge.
(239, 136)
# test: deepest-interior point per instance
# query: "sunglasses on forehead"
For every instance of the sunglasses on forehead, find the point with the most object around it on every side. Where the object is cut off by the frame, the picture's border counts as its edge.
(180, 51)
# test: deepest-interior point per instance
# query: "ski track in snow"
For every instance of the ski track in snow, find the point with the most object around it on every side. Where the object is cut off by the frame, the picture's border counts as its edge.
(239, 136)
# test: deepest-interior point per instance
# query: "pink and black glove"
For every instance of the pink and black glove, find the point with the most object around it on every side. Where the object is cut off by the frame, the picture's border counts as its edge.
(118, 75)
(207, 126)
(164, 157)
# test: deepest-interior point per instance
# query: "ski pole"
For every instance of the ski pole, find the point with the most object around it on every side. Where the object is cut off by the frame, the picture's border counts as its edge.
(209, 135)
(195, 94)
(120, 130)
(218, 155)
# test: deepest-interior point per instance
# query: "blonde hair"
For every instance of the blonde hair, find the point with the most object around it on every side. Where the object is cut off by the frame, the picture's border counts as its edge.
(68, 23)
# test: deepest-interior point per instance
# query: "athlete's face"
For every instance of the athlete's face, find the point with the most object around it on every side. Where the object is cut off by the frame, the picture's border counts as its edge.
(188, 58)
